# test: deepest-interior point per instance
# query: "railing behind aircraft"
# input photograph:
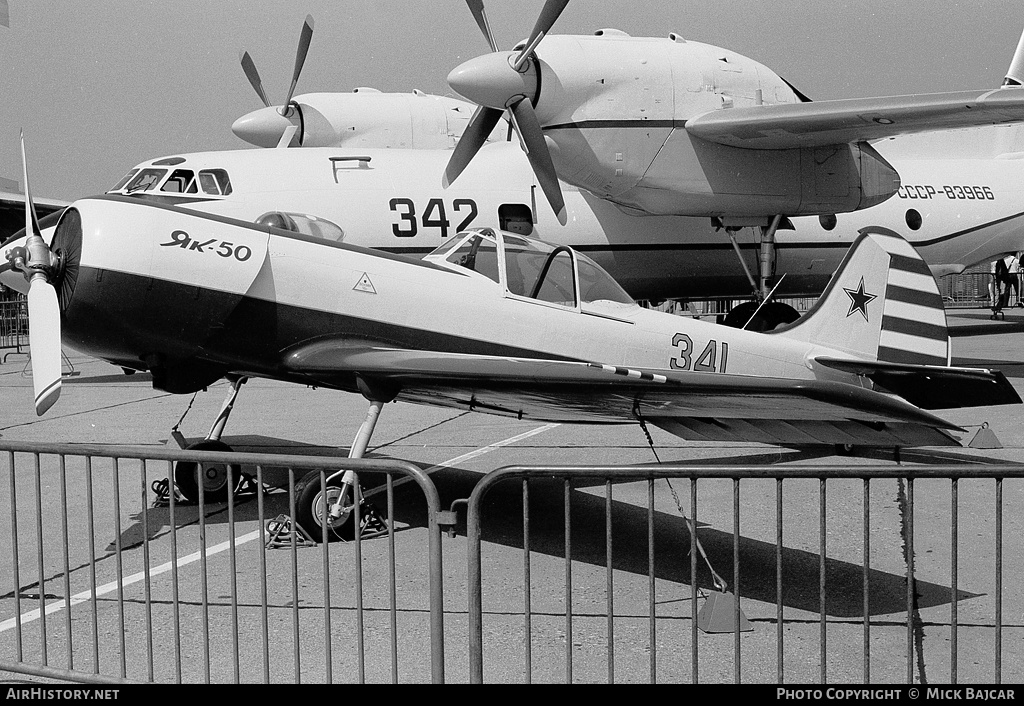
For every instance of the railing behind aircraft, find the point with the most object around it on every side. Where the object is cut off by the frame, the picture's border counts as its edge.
(13, 327)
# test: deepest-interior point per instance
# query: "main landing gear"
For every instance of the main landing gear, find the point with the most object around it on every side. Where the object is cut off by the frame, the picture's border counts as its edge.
(315, 510)
(335, 510)
(761, 314)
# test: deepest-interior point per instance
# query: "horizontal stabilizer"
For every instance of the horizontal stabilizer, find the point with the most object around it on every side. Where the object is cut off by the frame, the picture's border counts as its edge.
(933, 387)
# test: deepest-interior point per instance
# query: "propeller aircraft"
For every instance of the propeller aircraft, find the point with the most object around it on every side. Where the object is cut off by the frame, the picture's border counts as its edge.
(669, 126)
(490, 321)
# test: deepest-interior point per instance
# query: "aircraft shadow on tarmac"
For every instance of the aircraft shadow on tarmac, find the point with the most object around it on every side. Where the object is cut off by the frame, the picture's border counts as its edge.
(503, 525)
(110, 379)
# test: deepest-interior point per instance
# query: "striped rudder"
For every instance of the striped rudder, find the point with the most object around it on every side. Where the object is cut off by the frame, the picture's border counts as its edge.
(882, 304)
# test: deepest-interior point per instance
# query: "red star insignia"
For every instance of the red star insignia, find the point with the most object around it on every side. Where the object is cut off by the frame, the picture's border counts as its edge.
(859, 300)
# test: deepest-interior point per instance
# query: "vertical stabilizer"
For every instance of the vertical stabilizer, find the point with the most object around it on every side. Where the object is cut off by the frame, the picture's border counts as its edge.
(1015, 74)
(882, 304)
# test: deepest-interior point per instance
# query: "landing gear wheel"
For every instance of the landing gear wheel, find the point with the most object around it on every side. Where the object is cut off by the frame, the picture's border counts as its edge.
(309, 508)
(772, 314)
(214, 475)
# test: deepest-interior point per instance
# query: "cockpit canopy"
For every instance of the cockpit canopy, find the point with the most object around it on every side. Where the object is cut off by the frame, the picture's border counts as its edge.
(530, 268)
(161, 179)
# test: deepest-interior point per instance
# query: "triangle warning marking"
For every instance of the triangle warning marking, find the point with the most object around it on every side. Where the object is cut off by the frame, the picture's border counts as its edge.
(365, 285)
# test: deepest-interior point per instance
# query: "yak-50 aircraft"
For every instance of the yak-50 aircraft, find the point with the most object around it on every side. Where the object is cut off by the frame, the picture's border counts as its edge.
(491, 321)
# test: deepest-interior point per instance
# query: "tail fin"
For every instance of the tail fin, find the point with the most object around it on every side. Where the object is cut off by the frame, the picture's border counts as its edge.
(882, 304)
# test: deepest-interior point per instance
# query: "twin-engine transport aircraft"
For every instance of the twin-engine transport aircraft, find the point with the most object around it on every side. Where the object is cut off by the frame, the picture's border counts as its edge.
(668, 126)
(492, 322)
(391, 200)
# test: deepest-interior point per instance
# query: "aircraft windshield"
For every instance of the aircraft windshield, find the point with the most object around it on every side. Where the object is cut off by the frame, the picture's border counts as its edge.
(478, 253)
(212, 182)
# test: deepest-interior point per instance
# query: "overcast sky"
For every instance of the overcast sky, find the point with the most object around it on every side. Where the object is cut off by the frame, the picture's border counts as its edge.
(100, 86)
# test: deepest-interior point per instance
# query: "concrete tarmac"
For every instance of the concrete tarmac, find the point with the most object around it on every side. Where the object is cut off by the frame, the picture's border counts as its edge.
(100, 405)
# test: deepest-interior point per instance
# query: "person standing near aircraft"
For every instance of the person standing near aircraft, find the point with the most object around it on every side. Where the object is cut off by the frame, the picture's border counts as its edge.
(1013, 267)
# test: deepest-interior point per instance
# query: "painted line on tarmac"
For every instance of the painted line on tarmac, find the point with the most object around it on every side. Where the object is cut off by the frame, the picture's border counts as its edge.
(468, 456)
(126, 581)
(111, 587)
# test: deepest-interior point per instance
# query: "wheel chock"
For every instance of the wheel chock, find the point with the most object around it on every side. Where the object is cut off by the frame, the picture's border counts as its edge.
(280, 531)
(162, 490)
(372, 523)
(719, 614)
(985, 439)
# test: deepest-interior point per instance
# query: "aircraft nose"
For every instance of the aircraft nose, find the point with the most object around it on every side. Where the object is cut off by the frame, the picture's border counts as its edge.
(262, 127)
(490, 80)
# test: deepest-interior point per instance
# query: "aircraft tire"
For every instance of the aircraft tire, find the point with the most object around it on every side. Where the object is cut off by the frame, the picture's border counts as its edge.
(215, 487)
(308, 503)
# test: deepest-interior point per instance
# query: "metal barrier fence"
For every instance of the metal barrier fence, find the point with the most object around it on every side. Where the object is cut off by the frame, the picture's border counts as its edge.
(837, 582)
(136, 610)
(13, 326)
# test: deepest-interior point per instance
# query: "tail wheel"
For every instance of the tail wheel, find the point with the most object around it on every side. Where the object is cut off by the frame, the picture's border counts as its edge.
(213, 475)
(310, 508)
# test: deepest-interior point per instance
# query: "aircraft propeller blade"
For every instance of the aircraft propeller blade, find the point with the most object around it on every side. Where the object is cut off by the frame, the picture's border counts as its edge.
(305, 36)
(254, 77)
(44, 342)
(477, 8)
(540, 157)
(43, 309)
(473, 138)
(548, 15)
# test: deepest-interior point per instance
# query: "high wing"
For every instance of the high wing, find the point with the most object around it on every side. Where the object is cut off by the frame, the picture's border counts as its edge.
(696, 406)
(821, 123)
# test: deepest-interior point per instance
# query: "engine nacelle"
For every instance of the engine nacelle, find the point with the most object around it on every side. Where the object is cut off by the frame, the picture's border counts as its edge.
(614, 109)
(363, 118)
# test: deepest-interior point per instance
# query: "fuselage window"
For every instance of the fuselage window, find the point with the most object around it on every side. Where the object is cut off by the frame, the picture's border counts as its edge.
(305, 224)
(515, 218)
(215, 181)
(145, 180)
(181, 181)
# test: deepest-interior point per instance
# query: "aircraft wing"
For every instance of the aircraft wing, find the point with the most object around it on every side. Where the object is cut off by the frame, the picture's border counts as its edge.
(821, 123)
(700, 406)
(12, 211)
